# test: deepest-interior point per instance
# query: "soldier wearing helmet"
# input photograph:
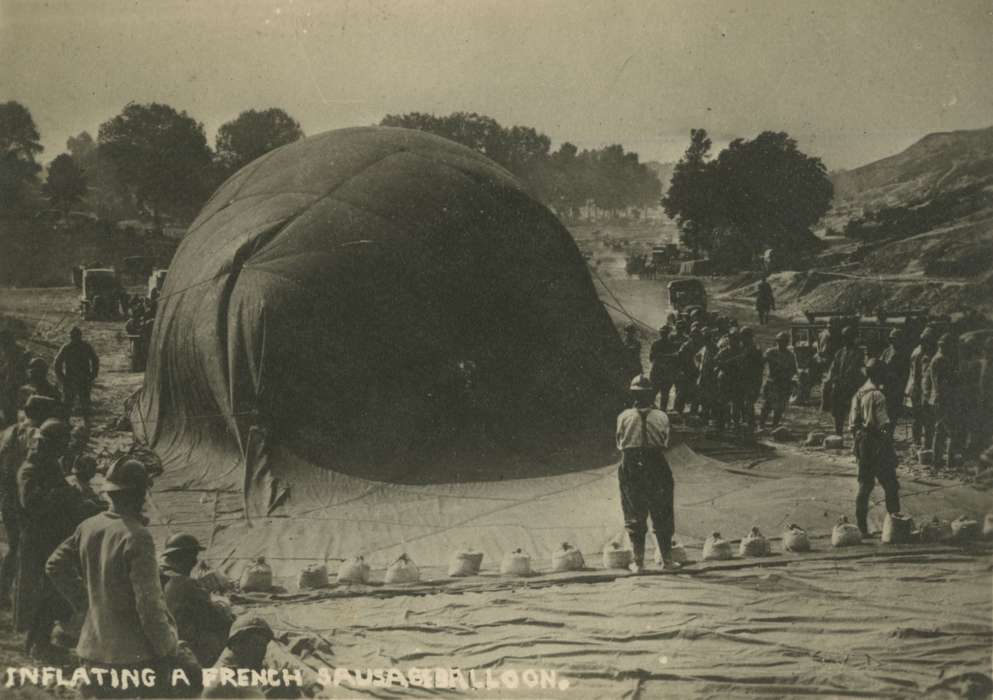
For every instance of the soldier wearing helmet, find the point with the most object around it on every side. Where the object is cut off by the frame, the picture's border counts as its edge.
(877, 461)
(751, 364)
(632, 349)
(200, 622)
(779, 381)
(644, 475)
(77, 366)
(845, 375)
(48, 510)
(13, 361)
(923, 425)
(941, 391)
(896, 363)
(37, 383)
(107, 570)
(15, 446)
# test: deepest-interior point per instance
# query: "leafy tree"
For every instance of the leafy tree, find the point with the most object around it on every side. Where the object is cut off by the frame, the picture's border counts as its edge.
(161, 154)
(106, 193)
(66, 183)
(19, 145)
(253, 134)
(755, 195)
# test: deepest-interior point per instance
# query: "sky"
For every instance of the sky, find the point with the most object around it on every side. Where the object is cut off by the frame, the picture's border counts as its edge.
(851, 80)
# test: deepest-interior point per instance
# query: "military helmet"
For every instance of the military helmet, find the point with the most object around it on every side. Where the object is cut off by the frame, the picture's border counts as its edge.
(640, 384)
(54, 430)
(849, 333)
(182, 542)
(782, 335)
(126, 475)
(39, 364)
(250, 623)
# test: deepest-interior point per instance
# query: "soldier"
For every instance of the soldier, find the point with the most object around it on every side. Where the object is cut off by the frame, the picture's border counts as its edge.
(632, 349)
(76, 366)
(662, 356)
(15, 446)
(645, 477)
(764, 300)
(200, 622)
(940, 389)
(845, 376)
(48, 510)
(873, 445)
(896, 364)
(707, 371)
(84, 468)
(107, 570)
(750, 366)
(37, 383)
(923, 425)
(779, 380)
(686, 371)
(13, 361)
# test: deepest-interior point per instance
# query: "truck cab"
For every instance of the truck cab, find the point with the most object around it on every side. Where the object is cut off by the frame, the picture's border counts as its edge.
(687, 293)
(100, 294)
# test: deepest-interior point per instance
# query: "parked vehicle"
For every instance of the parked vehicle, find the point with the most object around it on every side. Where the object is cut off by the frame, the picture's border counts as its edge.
(100, 295)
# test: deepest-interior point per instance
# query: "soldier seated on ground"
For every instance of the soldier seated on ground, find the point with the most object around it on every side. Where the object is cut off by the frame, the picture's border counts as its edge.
(84, 468)
(251, 645)
(200, 622)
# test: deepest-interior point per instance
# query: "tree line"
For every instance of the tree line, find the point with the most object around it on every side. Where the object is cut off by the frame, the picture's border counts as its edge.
(149, 160)
(565, 179)
(756, 195)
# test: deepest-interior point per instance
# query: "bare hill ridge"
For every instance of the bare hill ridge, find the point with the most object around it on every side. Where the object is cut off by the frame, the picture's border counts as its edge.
(939, 162)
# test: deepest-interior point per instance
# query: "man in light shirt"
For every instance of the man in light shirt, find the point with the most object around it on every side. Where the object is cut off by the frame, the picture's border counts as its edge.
(644, 475)
(870, 424)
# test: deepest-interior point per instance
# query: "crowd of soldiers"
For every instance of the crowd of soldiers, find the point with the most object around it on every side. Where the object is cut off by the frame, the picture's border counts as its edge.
(81, 572)
(705, 365)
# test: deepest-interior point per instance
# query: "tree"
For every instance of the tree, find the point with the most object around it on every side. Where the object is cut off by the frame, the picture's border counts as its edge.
(66, 183)
(755, 195)
(253, 134)
(106, 193)
(160, 154)
(19, 145)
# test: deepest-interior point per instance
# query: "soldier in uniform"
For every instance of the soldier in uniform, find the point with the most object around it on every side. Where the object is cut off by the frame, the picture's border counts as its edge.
(779, 380)
(749, 383)
(941, 393)
(13, 361)
(37, 383)
(764, 300)
(644, 475)
(632, 349)
(873, 445)
(76, 366)
(845, 376)
(923, 425)
(662, 356)
(896, 362)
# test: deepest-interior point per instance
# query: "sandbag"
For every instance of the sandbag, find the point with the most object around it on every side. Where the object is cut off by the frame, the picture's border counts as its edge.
(716, 549)
(465, 562)
(795, 539)
(754, 544)
(313, 576)
(845, 534)
(616, 556)
(936, 530)
(210, 580)
(403, 570)
(516, 563)
(898, 528)
(354, 571)
(988, 527)
(965, 529)
(567, 558)
(257, 577)
(678, 553)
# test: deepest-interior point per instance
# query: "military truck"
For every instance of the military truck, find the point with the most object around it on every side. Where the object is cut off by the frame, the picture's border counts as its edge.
(100, 294)
(686, 294)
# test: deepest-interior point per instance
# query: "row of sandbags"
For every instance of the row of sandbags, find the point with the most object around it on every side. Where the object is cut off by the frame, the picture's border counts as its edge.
(898, 528)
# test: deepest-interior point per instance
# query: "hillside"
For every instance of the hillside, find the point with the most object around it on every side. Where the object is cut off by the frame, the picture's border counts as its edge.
(939, 162)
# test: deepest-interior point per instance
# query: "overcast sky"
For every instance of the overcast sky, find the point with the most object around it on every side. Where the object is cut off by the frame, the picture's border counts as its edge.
(852, 81)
